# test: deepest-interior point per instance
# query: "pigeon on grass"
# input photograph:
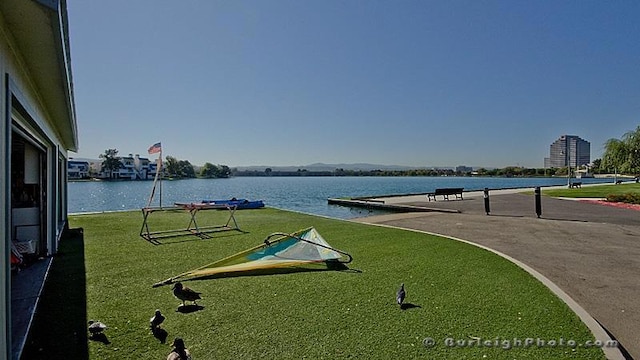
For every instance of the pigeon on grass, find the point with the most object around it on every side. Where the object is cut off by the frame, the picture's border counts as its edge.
(96, 327)
(400, 295)
(156, 320)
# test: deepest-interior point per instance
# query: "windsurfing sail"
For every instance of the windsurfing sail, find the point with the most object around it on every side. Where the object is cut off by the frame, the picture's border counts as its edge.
(280, 252)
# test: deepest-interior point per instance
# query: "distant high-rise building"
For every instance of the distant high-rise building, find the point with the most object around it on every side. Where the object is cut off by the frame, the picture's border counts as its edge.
(463, 169)
(569, 150)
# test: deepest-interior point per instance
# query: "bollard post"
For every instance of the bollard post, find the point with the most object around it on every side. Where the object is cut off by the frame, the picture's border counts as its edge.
(486, 200)
(538, 202)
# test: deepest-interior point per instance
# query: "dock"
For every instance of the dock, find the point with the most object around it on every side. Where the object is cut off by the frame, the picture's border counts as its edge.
(378, 203)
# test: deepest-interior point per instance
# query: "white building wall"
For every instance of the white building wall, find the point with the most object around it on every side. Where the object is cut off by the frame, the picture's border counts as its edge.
(15, 81)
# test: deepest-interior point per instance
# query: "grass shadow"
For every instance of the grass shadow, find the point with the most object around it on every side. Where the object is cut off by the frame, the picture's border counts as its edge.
(64, 293)
(560, 219)
(505, 215)
(188, 309)
(308, 267)
(407, 306)
(160, 334)
(100, 338)
(541, 217)
(189, 237)
(354, 271)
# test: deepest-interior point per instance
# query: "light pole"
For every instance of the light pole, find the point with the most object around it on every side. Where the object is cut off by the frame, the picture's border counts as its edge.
(566, 159)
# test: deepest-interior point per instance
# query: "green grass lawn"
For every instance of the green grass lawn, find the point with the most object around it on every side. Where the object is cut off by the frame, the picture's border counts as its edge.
(458, 291)
(599, 191)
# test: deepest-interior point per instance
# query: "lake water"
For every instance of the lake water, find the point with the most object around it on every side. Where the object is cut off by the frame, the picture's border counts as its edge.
(304, 194)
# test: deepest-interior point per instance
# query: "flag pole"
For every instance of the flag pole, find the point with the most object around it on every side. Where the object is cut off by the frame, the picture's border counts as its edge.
(153, 149)
(160, 167)
(153, 189)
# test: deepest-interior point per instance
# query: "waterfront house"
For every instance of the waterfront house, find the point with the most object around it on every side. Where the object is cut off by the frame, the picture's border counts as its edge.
(144, 168)
(152, 169)
(127, 169)
(131, 168)
(37, 129)
(77, 169)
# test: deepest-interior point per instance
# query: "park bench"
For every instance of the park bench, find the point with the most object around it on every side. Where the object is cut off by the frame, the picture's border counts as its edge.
(445, 192)
(575, 184)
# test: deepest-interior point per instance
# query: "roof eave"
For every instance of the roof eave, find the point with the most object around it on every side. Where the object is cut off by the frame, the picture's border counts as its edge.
(40, 30)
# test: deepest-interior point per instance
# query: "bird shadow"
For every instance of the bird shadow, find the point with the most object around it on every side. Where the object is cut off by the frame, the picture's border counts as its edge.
(101, 337)
(187, 309)
(160, 334)
(407, 306)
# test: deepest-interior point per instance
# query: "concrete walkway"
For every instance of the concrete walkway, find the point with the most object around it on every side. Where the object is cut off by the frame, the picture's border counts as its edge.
(590, 251)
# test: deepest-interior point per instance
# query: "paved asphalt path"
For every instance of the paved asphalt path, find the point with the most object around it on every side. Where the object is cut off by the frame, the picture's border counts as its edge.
(591, 251)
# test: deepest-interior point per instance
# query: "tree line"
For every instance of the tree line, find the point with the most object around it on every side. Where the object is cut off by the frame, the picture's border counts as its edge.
(510, 171)
(171, 167)
(621, 156)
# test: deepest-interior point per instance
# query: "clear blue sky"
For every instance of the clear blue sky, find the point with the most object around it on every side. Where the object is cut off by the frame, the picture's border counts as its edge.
(418, 83)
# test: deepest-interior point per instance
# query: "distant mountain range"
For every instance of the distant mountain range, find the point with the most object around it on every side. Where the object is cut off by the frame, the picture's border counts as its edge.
(332, 167)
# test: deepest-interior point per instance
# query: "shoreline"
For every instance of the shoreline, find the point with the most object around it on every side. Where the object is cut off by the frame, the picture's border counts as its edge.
(295, 193)
(398, 203)
(597, 176)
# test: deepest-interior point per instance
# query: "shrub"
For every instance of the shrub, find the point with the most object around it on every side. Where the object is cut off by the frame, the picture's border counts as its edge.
(629, 198)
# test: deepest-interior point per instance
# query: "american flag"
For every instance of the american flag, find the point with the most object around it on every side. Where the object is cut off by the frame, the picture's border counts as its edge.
(155, 148)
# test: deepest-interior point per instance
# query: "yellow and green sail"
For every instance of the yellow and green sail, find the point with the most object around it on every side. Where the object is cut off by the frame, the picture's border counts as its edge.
(304, 250)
